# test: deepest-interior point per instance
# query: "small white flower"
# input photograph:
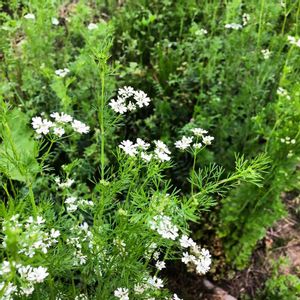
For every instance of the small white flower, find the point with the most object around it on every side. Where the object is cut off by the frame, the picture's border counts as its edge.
(118, 105)
(131, 106)
(62, 72)
(246, 19)
(140, 288)
(54, 21)
(92, 26)
(201, 32)
(61, 117)
(199, 131)
(129, 147)
(292, 40)
(146, 157)
(126, 92)
(155, 282)
(175, 297)
(233, 26)
(266, 53)
(141, 98)
(54, 233)
(160, 265)
(283, 93)
(37, 275)
(186, 242)
(80, 127)
(122, 293)
(141, 144)
(197, 145)
(41, 126)
(207, 139)
(184, 143)
(27, 290)
(29, 16)
(59, 131)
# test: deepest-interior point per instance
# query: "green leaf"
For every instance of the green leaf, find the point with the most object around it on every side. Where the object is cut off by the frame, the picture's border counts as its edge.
(18, 150)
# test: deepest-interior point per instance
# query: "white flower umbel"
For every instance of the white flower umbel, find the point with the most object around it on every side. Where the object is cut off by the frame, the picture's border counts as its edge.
(207, 140)
(160, 265)
(71, 204)
(33, 275)
(199, 259)
(293, 41)
(62, 72)
(162, 152)
(80, 127)
(61, 117)
(186, 242)
(128, 99)
(55, 21)
(7, 290)
(246, 19)
(29, 16)
(155, 282)
(233, 26)
(62, 185)
(41, 126)
(283, 93)
(199, 132)
(175, 297)
(122, 293)
(163, 225)
(141, 144)
(266, 53)
(184, 143)
(59, 131)
(129, 147)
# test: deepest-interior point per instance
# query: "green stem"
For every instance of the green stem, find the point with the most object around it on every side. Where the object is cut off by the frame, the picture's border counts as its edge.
(260, 22)
(102, 124)
(32, 200)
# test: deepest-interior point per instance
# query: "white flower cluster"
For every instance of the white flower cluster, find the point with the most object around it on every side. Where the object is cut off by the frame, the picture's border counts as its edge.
(33, 275)
(63, 185)
(186, 142)
(287, 140)
(163, 225)
(29, 276)
(72, 204)
(29, 16)
(129, 99)
(201, 32)
(122, 293)
(233, 26)
(246, 19)
(7, 290)
(161, 151)
(266, 53)
(293, 41)
(82, 235)
(54, 21)
(283, 93)
(43, 126)
(32, 238)
(62, 72)
(198, 259)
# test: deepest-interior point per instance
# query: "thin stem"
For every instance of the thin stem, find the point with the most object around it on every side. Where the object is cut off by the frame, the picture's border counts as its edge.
(193, 172)
(102, 124)
(32, 200)
(260, 22)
